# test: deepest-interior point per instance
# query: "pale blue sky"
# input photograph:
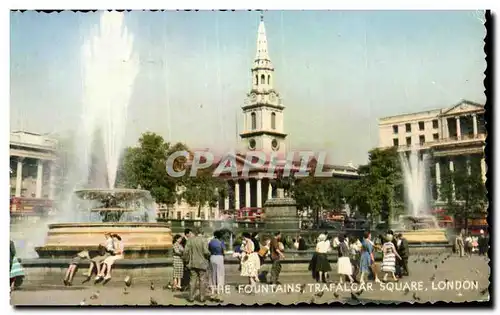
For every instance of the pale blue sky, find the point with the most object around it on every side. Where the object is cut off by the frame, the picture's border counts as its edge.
(337, 71)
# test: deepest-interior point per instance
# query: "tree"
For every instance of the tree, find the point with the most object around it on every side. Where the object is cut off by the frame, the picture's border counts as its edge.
(464, 192)
(145, 166)
(203, 189)
(378, 192)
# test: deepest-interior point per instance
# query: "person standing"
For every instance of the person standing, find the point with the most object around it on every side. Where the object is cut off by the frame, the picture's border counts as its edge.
(276, 257)
(196, 257)
(178, 262)
(250, 261)
(367, 243)
(459, 244)
(344, 267)
(482, 243)
(404, 252)
(389, 261)
(468, 245)
(216, 249)
(185, 275)
(12, 254)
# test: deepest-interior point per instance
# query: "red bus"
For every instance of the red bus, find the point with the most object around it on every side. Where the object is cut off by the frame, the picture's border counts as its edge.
(30, 206)
(249, 214)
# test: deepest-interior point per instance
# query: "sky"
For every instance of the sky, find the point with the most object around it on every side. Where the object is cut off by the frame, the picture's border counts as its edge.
(337, 72)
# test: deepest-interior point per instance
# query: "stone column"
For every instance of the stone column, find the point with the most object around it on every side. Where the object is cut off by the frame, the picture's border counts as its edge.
(452, 169)
(483, 169)
(438, 180)
(446, 131)
(247, 193)
(51, 181)
(459, 132)
(474, 124)
(226, 203)
(269, 190)
(467, 165)
(19, 176)
(259, 193)
(236, 195)
(39, 179)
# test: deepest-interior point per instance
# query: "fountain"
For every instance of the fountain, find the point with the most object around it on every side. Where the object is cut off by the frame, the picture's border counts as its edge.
(418, 226)
(110, 68)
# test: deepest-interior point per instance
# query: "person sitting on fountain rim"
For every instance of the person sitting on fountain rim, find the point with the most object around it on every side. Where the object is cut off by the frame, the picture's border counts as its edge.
(104, 251)
(73, 266)
(118, 252)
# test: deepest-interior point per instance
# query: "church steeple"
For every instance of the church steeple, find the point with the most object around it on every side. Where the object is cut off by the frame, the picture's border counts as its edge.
(263, 109)
(262, 53)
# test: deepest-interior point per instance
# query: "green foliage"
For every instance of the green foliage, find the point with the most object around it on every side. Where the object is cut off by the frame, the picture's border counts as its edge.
(203, 189)
(467, 199)
(144, 166)
(380, 189)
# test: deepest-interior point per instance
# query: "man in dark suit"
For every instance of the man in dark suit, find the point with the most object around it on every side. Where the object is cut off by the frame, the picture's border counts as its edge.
(196, 255)
(404, 252)
(12, 253)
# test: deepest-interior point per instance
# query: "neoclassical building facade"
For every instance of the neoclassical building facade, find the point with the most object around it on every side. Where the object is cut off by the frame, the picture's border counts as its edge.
(453, 137)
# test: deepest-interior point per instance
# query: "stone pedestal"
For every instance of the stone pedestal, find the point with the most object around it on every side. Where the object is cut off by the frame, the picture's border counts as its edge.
(281, 214)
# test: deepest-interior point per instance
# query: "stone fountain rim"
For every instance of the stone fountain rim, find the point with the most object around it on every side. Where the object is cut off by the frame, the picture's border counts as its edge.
(108, 224)
(111, 190)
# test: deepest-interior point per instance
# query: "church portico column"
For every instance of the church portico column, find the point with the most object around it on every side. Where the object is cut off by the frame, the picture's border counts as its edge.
(51, 180)
(459, 131)
(438, 180)
(259, 193)
(474, 124)
(236, 195)
(247, 193)
(452, 169)
(19, 176)
(483, 169)
(269, 190)
(39, 179)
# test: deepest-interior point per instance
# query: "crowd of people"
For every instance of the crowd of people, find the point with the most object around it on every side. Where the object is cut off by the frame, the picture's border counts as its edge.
(356, 258)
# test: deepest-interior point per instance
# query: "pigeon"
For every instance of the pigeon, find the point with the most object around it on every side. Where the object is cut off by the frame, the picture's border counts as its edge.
(128, 281)
(354, 297)
(442, 261)
(435, 266)
(125, 291)
(359, 292)
(312, 300)
(152, 286)
(82, 303)
(336, 295)
(152, 301)
(302, 288)
(406, 291)
(320, 294)
(415, 297)
(483, 292)
(166, 287)
(94, 296)
(433, 278)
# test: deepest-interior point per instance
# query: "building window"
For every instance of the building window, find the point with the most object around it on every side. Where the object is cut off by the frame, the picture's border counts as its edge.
(435, 124)
(421, 139)
(268, 79)
(262, 79)
(395, 129)
(273, 120)
(254, 121)
(435, 136)
(408, 127)
(421, 125)
(179, 215)
(408, 140)
(256, 80)
(395, 142)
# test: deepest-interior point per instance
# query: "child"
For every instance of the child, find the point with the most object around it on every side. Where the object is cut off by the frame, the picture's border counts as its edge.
(70, 273)
(364, 263)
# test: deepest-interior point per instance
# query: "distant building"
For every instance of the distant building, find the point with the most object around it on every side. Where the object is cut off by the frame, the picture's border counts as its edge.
(454, 137)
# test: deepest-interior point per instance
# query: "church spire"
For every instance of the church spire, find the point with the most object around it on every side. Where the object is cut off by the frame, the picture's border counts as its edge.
(262, 53)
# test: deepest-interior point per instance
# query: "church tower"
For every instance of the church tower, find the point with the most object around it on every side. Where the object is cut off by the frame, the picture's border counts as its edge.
(263, 128)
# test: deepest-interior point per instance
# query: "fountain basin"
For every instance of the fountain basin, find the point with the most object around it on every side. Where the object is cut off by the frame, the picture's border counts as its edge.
(421, 230)
(141, 239)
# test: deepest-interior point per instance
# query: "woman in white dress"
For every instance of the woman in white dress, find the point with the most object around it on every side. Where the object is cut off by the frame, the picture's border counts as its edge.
(250, 261)
(344, 267)
(389, 260)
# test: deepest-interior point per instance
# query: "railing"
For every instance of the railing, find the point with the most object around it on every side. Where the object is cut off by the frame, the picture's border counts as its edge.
(464, 137)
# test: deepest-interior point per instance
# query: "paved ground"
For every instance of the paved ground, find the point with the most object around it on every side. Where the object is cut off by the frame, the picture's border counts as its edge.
(430, 280)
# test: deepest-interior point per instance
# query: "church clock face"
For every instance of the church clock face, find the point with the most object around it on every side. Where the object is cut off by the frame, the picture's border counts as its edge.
(252, 144)
(275, 144)
(253, 97)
